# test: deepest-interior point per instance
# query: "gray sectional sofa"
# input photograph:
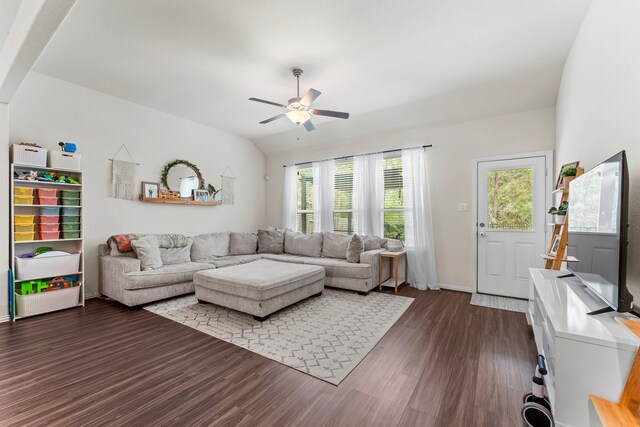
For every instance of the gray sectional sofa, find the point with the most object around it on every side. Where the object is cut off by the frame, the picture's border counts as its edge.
(124, 279)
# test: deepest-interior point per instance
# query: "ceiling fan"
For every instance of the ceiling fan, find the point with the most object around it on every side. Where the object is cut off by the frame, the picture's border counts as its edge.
(299, 112)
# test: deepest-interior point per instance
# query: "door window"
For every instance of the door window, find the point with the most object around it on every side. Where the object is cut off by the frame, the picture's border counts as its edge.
(510, 199)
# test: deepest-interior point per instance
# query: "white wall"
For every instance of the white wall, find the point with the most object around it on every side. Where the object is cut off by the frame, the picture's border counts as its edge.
(46, 110)
(598, 109)
(4, 211)
(449, 160)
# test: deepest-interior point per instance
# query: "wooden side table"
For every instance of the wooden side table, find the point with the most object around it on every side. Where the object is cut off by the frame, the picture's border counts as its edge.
(395, 278)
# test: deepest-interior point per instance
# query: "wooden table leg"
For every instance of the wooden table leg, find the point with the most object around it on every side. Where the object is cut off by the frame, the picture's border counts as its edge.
(395, 273)
(380, 259)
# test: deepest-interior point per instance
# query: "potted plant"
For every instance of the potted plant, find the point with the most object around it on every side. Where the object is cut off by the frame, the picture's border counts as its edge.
(568, 174)
(559, 213)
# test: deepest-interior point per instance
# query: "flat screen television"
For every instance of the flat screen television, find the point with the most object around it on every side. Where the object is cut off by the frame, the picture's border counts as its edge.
(598, 223)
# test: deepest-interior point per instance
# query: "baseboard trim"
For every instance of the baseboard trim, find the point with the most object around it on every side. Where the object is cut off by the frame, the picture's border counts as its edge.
(90, 295)
(4, 318)
(456, 288)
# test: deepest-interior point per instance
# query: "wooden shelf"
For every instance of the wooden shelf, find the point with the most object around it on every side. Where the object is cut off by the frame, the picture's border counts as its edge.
(178, 202)
(566, 259)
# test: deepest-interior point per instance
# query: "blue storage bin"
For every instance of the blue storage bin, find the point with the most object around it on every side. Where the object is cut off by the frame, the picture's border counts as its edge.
(69, 211)
(50, 211)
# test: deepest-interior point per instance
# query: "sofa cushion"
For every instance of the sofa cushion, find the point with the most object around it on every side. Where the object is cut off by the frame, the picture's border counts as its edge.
(296, 243)
(167, 275)
(148, 252)
(210, 245)
(270, 241)
(171, 256)
(228, 261)
(374, 242)
(335, 245)
(285, 258)
(355, 248)
(341, 267)
(243, 243)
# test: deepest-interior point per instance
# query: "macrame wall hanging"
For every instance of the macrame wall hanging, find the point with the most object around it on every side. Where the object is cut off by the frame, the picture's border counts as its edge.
(228, 184)
(123, 181)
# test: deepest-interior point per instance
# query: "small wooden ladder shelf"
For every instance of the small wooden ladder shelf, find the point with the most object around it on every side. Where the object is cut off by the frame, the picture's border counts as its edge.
(554, 262)
(627, 411)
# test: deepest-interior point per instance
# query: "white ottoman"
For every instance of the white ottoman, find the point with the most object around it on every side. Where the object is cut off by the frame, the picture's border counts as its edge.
(259, 288)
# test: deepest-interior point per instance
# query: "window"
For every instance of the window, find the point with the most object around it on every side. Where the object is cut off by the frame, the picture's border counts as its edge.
(304, 200)
(393, 197)
(510, 199)
(343, 197)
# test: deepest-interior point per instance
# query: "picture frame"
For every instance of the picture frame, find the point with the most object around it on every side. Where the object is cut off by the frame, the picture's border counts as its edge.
(567, 165)
(555, 245)
(200, 195)
(150, 190)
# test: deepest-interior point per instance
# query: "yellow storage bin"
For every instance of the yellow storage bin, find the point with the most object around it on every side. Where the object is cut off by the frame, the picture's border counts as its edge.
(23, 191)
(22, 237)
(24, 219)
(23, 200)
(24, 228)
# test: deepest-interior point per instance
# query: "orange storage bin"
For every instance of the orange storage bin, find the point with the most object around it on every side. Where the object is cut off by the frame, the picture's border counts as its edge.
(49, 235)
(49, 219)
(48, 200)
(44, 227)
(47, 192)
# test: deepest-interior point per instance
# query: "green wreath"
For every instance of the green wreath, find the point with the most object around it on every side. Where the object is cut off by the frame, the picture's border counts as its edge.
(168, 166)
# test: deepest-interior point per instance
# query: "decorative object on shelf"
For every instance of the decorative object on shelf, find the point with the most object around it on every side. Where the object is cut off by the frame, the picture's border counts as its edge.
(123, 176)
(228, 183)
(150, 190)
(168, 194)
(569, 168)
(188, 184)
(212, 192)
(560, 213)
(201, 195)
(174, 171)
(68, 147)
(555, 245)
(29, 154)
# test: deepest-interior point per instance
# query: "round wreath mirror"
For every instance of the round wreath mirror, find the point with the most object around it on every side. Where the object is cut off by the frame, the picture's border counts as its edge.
(183, 176)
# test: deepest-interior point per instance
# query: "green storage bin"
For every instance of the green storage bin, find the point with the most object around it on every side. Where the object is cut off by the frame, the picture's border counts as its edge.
(71, 226)
(70, 202)
(71, 234)
(70, 211)
(69, 194)
(70, 219)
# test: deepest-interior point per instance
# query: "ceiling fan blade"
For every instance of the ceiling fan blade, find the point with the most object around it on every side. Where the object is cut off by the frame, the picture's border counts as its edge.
(310, 96)
(272, 118)
(309, 126)
(330, 113)
(268, 102)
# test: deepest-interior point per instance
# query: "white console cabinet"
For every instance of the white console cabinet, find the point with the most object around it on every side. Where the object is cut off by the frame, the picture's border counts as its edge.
(585, 354)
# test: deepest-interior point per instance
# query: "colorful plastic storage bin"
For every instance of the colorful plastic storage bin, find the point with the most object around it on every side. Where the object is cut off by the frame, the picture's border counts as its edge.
(49, 219)
(70, 201)
(46, 192)
(50, 211)
(49, 235)
(70, 194)
(23, 191)
(71, 234)
(24, 228)
(43, 227)
(70, 219)
(24, 236)
(71, 226)
(65, 211)
(23, 200)
(24, 219)
(47, 200)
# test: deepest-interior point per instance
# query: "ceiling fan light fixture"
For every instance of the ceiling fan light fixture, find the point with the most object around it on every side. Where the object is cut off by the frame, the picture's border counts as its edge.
(298, 117)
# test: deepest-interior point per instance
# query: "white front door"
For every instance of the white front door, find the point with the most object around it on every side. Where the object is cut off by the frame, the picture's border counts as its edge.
(511, 224)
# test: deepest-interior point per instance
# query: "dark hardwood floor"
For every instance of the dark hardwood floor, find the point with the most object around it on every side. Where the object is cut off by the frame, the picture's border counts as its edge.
(444, 363)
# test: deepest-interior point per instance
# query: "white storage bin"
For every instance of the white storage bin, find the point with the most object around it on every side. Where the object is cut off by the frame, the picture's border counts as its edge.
(62, 160)
(28, 155)
(44, 302)
(47, 266)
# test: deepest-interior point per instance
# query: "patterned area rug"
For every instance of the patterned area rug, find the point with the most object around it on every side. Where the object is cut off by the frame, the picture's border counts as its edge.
(325, 336)
(502, 303)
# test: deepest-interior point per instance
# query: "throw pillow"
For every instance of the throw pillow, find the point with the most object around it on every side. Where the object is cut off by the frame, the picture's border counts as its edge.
(171, 256)
(355, 248)
(243, 243)
(148, 252)
(210, 245)
(296, 243)
(270, 241)
(335, 245)
(113, 251)
(394, 245)
(374, 242)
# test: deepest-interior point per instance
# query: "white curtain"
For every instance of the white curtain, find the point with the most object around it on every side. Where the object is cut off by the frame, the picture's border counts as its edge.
(289, 197)
(323, 193)
(368, 193)
(417, 220)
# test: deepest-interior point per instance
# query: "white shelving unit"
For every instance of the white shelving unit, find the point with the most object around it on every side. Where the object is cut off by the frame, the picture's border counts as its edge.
(44, 302)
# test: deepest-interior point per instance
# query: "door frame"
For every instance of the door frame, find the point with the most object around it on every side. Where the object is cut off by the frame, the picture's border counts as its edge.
(548, 199)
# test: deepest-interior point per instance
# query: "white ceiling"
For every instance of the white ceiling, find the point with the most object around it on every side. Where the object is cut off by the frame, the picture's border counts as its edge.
(202, 59)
